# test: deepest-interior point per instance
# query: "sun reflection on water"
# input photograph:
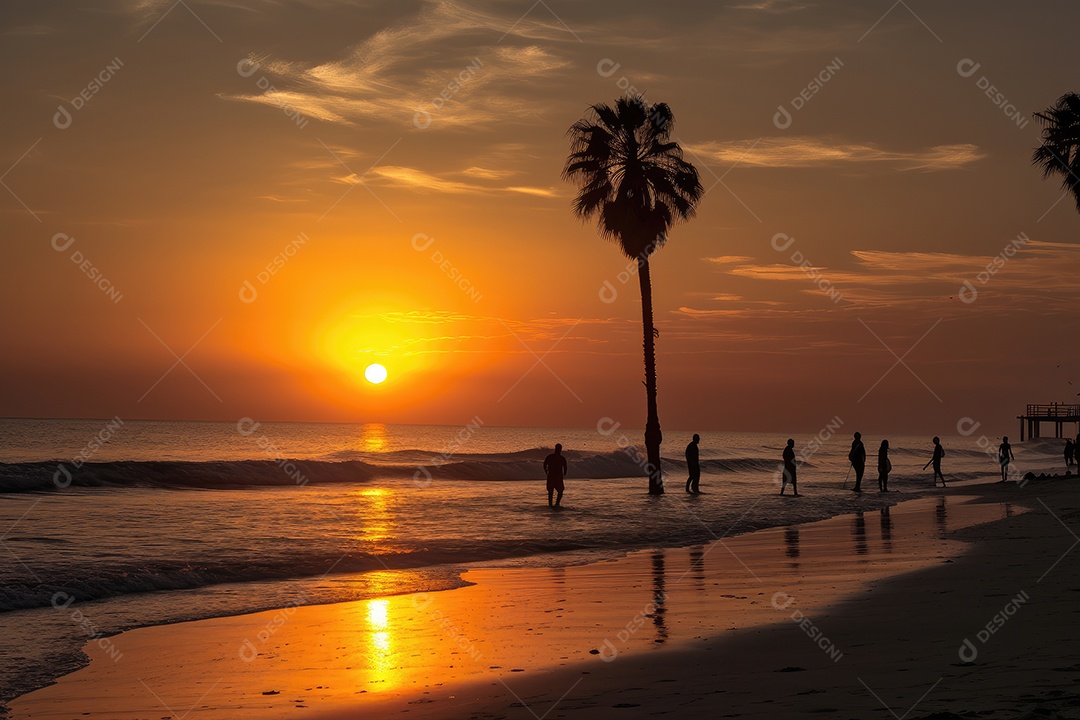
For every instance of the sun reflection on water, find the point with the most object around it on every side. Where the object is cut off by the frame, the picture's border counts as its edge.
(376, 514)
(379, 652)
(373, 437)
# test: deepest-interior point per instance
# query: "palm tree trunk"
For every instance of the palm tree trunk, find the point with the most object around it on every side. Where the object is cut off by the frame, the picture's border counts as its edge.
(653, 436)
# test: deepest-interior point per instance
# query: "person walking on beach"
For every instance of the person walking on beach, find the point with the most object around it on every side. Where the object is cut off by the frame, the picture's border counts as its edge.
(1005, 456)
(789, 469)
(939, 452)
(555, 467)
(692, 465)
(1069, 452)
(884, 467)
(857, 456)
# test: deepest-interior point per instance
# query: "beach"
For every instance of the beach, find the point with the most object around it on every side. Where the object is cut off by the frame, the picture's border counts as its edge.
(523, 360)
(955, 602)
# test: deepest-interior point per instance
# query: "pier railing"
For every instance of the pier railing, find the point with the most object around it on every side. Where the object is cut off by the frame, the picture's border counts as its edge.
(1052, 410)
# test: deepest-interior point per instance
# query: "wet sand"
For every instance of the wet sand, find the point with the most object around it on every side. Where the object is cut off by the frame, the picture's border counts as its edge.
(858, 615)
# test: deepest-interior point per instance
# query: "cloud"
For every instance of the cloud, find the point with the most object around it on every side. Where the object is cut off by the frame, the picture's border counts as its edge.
(807, 151)
(1021, 270)
(280, 199)
(443, 68)
(397, 176)
(487, 173)
(30, 30)
(772, 7)
(729, 259)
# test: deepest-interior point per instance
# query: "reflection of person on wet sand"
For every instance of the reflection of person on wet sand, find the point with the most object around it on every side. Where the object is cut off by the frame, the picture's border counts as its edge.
(939, 452)
(659, 606)
(858, 532)
(692, 465)
(1005, 456)
(886, 529)
(857, 456)
(884, 467)
(555, 467)
(697, 564)
(789, 469)
(791, 540)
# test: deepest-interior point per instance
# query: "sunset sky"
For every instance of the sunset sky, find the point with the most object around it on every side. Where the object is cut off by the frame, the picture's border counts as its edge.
(403, 160)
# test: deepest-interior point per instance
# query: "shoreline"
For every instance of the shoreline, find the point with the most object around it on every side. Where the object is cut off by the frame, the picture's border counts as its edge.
(415, 629)
(696, 519)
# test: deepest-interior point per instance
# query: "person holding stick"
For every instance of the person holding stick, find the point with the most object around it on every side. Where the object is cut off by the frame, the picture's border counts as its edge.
(939, 452)
(857, 457)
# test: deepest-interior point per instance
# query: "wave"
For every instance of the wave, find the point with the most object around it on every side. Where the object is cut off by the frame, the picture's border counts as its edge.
(21, 477)
(523, 465)
(109, 581)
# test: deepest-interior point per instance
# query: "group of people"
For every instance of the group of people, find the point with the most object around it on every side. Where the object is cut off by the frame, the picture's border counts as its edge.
(857, 458)
(555, 465)
(1072, 453)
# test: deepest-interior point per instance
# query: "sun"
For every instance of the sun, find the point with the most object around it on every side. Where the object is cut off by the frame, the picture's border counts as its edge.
(375, 373)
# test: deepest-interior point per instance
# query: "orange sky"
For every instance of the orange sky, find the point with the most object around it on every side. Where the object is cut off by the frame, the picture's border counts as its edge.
(415, 149)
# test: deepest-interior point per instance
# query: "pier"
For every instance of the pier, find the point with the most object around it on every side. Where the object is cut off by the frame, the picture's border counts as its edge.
(1057, 413)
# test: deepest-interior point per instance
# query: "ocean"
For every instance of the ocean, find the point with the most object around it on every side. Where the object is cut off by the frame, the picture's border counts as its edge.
(107, 525)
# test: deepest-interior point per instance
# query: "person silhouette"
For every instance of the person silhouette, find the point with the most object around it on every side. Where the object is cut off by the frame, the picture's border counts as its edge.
(692, 465)
(884, 466)
(939, 452)
(555, 467)
(1069, 452)
(1076, 452)
(1005, 456)
(857, 456)
(789, 469)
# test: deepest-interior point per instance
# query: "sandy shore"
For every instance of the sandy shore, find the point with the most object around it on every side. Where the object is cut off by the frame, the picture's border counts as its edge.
(859, 616)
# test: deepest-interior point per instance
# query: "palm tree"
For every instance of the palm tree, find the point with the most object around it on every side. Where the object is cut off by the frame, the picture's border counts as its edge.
(1060, 150)
(633, 178)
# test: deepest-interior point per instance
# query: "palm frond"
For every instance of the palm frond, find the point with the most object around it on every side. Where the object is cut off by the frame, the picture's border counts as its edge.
(1059, 153)
(631, 176)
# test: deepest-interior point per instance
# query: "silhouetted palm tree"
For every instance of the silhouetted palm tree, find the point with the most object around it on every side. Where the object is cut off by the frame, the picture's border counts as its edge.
(1060, 149)
(633, 178)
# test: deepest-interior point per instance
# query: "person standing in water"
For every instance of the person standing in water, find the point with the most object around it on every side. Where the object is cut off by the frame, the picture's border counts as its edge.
(1005, 456)
(789, 469)
(884, 466)
(1069, 452)
(555, 467)
(857, 456)
(692, 465)
(939, 452)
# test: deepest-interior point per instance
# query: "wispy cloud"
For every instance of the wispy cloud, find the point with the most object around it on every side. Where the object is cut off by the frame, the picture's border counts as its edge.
(772, 7)
(729, 259)
(413, 178)
(878, 278)
(442, 68)
(806, 151)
